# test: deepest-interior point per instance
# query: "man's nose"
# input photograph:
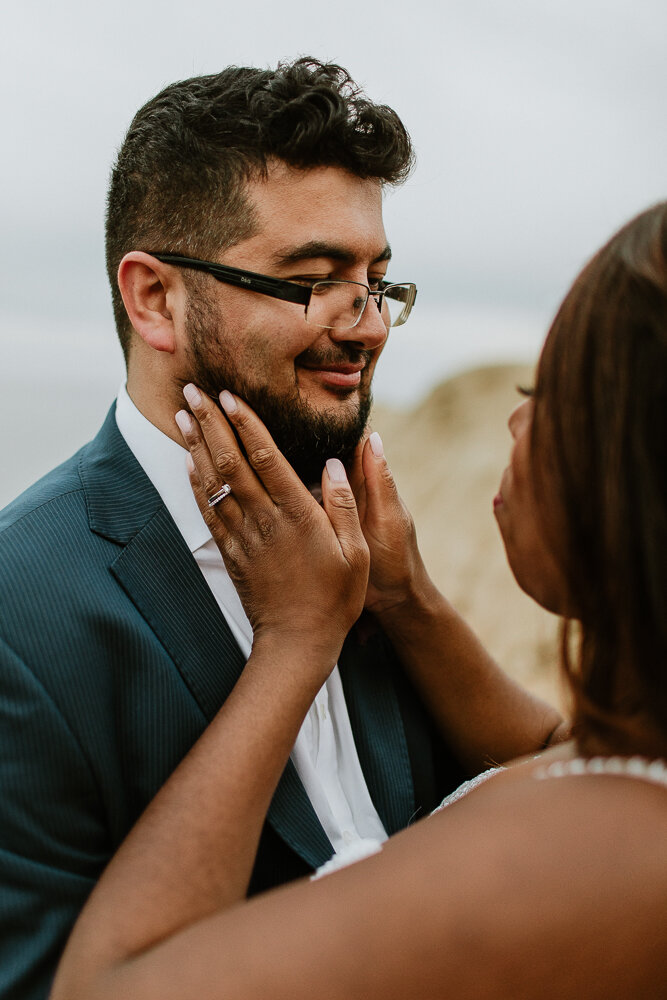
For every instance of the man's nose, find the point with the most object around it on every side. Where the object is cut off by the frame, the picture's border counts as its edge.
(371, 330)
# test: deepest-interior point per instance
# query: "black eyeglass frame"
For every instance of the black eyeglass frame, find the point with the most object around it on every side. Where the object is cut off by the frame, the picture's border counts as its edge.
(289, 291)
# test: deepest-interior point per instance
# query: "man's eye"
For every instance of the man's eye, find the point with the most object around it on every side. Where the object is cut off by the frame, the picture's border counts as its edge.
(309, 282)
(375, 284)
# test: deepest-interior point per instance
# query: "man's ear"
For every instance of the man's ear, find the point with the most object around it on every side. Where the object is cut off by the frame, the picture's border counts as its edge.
(150, 291)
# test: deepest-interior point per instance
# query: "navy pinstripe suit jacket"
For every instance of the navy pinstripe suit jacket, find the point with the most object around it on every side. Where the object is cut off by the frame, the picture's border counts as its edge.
(113, 658)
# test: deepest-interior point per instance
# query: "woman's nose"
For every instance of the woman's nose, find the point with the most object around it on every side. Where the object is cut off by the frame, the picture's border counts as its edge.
(519, 416)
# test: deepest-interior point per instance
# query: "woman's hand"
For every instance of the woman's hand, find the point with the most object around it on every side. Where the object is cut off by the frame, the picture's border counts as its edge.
(397, 572)
(301, 571)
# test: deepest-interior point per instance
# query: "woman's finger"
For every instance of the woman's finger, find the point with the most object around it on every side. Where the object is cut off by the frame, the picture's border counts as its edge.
(341, 509)
(209, 476)
(216, 452)
(355, 468)
(214, 517)
(390, 533)
(380, 489)
(277, 475)
(205, 479)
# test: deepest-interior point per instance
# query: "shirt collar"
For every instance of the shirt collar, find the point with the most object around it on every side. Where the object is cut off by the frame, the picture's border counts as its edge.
(163, 461)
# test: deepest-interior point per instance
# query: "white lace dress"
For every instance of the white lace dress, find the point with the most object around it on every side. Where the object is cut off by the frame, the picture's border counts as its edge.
(654, 771)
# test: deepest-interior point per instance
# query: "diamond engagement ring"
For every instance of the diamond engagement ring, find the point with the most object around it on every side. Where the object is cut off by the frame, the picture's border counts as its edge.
(223, 492)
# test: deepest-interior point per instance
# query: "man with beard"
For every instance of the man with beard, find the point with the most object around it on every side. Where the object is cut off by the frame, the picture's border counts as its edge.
(246, 251)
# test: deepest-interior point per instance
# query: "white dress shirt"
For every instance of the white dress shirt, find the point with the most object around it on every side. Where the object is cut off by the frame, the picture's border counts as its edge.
(324, 754)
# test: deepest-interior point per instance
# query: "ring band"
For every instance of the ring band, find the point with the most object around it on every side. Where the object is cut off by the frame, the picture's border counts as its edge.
(223, 492)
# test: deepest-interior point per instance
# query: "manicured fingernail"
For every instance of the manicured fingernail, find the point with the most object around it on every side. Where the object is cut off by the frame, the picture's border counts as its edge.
(227, 402)
(189, 462)
(376, 444)
(336, 470)
(192, 394)
(184, 421)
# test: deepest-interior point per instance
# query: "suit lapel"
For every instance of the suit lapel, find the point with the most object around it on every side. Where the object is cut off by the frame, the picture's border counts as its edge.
(162, 579)
(292, 816)
(377, 725)
(157, 570)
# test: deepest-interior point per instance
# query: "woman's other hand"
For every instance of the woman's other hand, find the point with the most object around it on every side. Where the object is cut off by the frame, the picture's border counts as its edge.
(397, 572)
(300, 570)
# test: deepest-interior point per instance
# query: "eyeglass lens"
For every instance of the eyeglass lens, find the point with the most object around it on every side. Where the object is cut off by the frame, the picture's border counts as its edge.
(397, 303)
(338, 305)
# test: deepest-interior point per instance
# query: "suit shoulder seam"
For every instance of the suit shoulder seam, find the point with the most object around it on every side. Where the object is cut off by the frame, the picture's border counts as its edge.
(40, 506)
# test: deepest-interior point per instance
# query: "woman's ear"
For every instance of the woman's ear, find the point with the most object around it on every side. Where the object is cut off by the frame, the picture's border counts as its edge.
(150, 290)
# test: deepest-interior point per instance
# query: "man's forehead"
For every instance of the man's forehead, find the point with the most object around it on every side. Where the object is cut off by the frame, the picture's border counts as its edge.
(319, 212)
(294, 197)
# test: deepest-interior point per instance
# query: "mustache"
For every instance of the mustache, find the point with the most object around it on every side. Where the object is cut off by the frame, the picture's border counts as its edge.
(345, 354)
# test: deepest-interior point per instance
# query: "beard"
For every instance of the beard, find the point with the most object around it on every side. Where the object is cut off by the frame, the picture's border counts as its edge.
(305, 436)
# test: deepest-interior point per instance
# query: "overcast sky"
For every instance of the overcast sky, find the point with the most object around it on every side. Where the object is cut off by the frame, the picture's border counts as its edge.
(539, 127)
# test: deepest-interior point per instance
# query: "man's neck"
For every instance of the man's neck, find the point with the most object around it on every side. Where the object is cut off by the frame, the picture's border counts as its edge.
(157, 405)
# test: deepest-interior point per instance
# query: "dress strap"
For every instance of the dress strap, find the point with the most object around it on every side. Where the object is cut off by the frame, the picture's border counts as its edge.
(469, 786)
(654, 771)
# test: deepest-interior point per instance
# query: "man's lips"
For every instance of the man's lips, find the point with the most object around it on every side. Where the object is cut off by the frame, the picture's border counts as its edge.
(344, 374)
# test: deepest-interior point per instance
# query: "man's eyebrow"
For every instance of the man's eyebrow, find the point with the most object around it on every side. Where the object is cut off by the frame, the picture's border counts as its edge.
(316, 248)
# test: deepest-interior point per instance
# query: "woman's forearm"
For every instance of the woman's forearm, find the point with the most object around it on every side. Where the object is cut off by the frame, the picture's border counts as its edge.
(485, 715)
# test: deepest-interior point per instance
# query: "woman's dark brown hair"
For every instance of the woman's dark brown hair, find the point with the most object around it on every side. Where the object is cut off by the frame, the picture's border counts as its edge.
(601, 418)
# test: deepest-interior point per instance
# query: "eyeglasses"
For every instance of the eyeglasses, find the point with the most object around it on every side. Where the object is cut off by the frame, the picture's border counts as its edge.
(334, 305)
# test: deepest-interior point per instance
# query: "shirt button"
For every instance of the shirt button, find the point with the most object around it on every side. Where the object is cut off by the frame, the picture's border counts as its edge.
(348, 837)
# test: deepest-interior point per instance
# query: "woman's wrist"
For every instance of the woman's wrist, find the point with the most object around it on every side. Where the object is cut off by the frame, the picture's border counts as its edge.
(313, 651)
(407, 608)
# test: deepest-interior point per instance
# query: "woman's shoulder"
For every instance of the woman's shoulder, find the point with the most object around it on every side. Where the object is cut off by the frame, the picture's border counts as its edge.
(558, 804)
(523, 888)
(567, 874)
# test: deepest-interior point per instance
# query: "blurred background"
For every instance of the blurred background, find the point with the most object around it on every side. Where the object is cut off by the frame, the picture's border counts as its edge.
(537, 125)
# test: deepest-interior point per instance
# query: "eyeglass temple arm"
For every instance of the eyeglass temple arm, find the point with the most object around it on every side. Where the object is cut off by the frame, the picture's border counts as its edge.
(261, 283)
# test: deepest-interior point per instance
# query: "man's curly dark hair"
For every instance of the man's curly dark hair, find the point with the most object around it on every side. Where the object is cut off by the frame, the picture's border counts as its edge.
(179, 179)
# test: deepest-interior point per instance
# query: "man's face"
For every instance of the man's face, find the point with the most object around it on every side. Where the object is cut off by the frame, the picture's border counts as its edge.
(310, 385)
